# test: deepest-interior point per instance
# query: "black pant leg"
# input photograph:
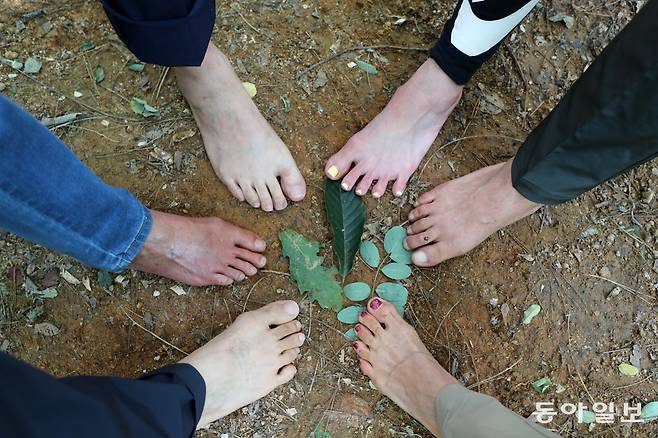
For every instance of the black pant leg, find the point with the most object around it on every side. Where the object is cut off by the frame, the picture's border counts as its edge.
(605, 124)
(165, 403)
(165, 32)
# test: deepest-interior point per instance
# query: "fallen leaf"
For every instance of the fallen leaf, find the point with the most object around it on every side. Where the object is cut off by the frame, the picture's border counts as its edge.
(396, 271)
(139, 106)
(350, 335)
(104, 279)
(86, 283)
(357, 291)
(370, 253)
(99, 74)
(530, 313)
(585, 416)
(136, 66)
(66, 275)
(307, 271)
(541, 385)
(650, 411)
(628, 369)
(46, 329)
(32, 66)
(250, 89)
(367, 67)
(178, 290)
(350, 315)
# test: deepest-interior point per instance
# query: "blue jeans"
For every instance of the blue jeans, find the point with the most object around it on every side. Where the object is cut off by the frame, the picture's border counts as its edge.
(49, 197)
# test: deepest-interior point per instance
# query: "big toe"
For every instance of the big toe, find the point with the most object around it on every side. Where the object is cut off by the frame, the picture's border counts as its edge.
(383, 311)
(338, 165)
(431, 255)
(293, 184)
(279, 312)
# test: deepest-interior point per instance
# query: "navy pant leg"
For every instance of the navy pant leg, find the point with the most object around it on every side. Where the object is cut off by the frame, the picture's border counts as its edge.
(173, 33)
(165, 403)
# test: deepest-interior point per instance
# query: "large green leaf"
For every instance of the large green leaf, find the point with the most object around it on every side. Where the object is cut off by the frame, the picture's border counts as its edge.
(307, 272)
(347, 215)
(357, 291)
(394, 239)
(396, 271)
(370, 253)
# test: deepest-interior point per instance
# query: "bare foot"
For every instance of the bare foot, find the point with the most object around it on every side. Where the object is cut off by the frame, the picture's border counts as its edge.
(393, 356)
(249, 359)
(244, 150)
(199, 251)
(392, 145)
(458, 215)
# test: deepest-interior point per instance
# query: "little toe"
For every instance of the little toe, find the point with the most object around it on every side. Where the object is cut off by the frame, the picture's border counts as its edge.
(384, 311)
(233, 273)
(292, 341)
(364, 185)
(431, 255)
(286, 374)
(425, 198)
(222, 280)
(286, 329)
(400, 185)
(351, 178)
(366, 368)
(380, 188)
(245, 267)
(278, 197)
(264, 197)
(363, 333)
(293, 184)
(250, 194)
(235, 190)
(279, 312)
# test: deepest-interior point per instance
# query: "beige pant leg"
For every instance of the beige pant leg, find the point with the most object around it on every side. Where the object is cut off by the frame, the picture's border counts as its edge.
(462, 413)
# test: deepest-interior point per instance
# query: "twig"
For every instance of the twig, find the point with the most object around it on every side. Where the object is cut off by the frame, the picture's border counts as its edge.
(237, 9)
(244, 308)
(112, 140)
(640, 294)
(268, 271)
(632, 384)
(153, 334)
(163, 77)
(358, 49)
(495, 376)
(444, 318)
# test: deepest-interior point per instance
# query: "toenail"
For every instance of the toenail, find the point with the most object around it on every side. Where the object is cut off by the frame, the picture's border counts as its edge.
(301, 337)
(260, 245)
(364, 314)
(290, 308)
(357, 328)
(344, 186)
(296, 192)
(404, 244)
(411, 217)
(332, 171)
(376, 195)
(419, 257)
(263, 261)
(359, 192)
(298, 325)
(355, 345)
(374, 304)
(398, 193)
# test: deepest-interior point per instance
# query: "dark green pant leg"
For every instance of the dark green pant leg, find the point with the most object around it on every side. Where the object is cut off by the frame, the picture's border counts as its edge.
(606, 123)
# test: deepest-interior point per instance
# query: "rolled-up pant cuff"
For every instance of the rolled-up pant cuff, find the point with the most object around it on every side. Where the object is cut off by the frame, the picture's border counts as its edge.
(463, 413)
(170, 33)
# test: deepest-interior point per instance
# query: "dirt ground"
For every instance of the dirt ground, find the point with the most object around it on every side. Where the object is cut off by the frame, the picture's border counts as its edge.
(567, 258)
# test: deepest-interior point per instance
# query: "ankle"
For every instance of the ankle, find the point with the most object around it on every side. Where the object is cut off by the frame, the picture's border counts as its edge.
(437, 92)
(521, 203)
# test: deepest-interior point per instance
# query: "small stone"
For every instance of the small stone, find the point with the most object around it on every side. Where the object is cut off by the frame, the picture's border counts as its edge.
(10, 54)
(47, 27)
(156, 293)
(77, 94)
(605, 272)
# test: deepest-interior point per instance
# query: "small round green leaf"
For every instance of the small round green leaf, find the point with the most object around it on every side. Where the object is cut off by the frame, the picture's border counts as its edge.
(396, 271)
(366, 67)
(628, 369)
(369, 253)
(350, 335)
(393, 292)
(650, 411)
(357, 291)
(585, 416)
(530, 313)
(401, 255)
(394, 238)
(350, 315)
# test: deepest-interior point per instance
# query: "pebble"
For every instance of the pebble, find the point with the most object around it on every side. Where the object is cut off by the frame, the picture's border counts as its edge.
(604, 272)
(10, 54)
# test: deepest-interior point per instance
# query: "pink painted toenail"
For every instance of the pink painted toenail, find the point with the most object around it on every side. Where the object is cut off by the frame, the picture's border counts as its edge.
(375, 304)
(364, 314)
(357, 328)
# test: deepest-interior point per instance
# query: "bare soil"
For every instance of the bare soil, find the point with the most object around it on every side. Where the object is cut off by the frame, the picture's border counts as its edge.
(579, 338)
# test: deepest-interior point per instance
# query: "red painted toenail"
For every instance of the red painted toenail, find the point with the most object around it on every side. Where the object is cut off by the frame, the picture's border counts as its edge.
(364, 314)
(355, 345)
(375, 304)
(357, 328)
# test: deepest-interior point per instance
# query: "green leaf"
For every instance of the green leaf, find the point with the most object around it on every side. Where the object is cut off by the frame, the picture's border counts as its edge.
(350, 335)
(350, 315)
(347, 215)
(394, 239)
(139, 106)
(357, 291)
(307, 272)
(401, 255)
(585, 416)
(99, 74)
(393, 292)
(32, 66)
(104, 279)
(650, 411)
(396, 271)
(530, 313)
(541, 385)
(136, 66)
(87, 46)
(370, 253)
(366, 67)
(628, 369)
